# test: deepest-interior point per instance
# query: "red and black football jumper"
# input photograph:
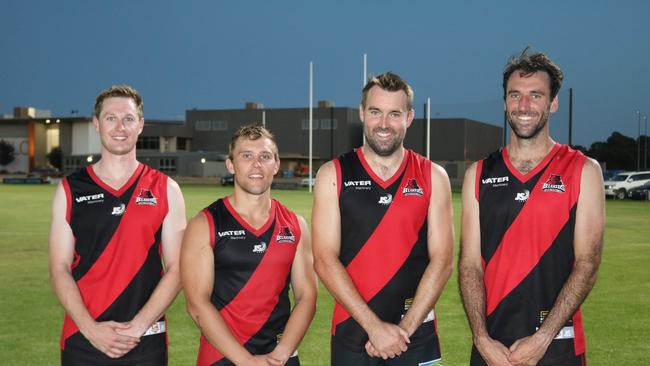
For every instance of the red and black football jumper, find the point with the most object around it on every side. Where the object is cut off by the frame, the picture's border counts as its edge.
(527, 225)
(117, 261)
(383, 242)
(252, 273)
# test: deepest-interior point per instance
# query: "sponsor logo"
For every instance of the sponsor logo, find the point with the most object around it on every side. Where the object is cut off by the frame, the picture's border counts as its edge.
(118, 210)
(358, 184)
(91, 198)
(412, 188)
(496, 181)
(259, 248)
(233, 234)
(554, 184)
(386, 200)
(522, 196)
(145, 197)
(285, 235)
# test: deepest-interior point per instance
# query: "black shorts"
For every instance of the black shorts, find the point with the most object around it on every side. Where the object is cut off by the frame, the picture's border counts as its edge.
(579, 360)
(292, 361)
(423, 354)
(72, 359)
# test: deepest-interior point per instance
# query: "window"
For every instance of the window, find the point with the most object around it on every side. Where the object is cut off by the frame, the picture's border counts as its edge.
(219, 125)
(148, 143)
(305, 124)
(211, 125)
(202, 125)
(326, 124)
(181, 144)
(167, 165)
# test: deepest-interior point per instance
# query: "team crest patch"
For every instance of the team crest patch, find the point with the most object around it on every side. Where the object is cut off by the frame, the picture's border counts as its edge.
(412, 188)
(554, 184)
(145, 197)
(285, 235)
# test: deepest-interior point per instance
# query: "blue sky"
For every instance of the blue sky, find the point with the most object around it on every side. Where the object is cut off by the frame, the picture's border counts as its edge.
(59, 55)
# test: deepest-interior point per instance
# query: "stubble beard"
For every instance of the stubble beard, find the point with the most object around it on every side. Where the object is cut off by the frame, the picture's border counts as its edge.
(384, 149)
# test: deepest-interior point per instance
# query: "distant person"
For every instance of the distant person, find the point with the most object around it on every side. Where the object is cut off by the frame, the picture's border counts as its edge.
(383, 237)
(532, 232)
(117, 227)
(239, 257)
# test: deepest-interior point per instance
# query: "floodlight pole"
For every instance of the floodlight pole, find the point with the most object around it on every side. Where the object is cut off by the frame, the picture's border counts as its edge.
(311, 120)
(365, 80)
(638, 144)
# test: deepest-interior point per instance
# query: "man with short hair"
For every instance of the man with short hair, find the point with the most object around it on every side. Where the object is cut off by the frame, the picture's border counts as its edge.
(114, 246)
(240, 254)
(532, 232)
(383, 237)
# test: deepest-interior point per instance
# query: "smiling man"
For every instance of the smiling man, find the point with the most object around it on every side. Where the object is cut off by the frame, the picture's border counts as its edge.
(532, 231)
(383, 237)
(117, 227)
(240, 254)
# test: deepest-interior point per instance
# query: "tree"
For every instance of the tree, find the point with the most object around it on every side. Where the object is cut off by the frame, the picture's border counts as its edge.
(618, 152)
(6, 153)
(55, 157)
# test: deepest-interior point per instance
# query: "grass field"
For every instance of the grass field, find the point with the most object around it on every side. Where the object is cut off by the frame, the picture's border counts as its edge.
(616, 314)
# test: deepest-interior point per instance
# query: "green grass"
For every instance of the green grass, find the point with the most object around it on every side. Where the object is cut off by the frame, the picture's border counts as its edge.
(616, 314)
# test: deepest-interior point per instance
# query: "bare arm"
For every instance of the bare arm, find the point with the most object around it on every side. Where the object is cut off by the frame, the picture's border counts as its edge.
(470, 276)
(303, 284)
(440, 242)
(102, 335)
(170, 283)
(587, 247)
(388, 339)
(197, 275)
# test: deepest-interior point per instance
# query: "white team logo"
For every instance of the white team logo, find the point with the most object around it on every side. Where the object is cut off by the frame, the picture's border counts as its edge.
(522, 196)
(91, 198)
(118, 210)
(145, 197)
(386, 200)
(259, 248)
(233, 234)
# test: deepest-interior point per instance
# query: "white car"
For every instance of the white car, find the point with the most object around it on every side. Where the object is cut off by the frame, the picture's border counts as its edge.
(623, 182)
(306, 182)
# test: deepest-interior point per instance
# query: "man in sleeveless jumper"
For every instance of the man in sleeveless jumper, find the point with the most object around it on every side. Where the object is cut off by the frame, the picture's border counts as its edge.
(383, 237)
(239, 257)
(532, 232)
(117, 227)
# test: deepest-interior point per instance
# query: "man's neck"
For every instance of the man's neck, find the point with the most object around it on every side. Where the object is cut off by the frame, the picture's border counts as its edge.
(115, 170)
(254, 209)
(526, 154)
(383, 166)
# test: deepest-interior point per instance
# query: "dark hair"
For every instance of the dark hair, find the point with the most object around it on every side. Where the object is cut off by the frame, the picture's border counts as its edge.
(530, 63)
(252, 132)
(123, 91)
(389, 82)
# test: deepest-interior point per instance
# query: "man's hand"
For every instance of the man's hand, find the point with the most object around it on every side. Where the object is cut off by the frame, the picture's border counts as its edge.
(279, 356)
(134, 329)
(387, 340)
(494, 353)
(527, 351)
(106, 337)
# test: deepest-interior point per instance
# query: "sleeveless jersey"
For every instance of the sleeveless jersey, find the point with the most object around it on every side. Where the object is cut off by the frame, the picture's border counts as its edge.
(527, 225)
(383, 242)
(252, 271)
(117, 260)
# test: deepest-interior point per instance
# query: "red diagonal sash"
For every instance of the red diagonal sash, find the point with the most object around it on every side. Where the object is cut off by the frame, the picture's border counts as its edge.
(534, 230)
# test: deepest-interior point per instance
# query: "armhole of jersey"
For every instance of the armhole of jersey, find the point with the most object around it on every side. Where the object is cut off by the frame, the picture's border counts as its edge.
(477, 178)
(68, 199)
(428, 168)
(580, 168)
(298, 228)
(208, 216)
(337, 168)
(165, 193)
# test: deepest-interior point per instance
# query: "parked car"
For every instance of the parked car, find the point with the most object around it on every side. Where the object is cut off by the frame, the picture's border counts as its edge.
(306, 182)
(623, 182)
(227, 180)
(640, 193)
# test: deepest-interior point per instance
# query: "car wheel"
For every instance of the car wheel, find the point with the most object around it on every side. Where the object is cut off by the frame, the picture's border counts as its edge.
(620, 194)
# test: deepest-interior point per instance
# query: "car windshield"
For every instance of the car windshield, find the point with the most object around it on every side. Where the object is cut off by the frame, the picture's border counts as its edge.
(620, 178)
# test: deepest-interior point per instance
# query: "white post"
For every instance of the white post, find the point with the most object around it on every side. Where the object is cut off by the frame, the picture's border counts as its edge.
(264, 119)
(365, 79)
(428, 127)
(311, 120)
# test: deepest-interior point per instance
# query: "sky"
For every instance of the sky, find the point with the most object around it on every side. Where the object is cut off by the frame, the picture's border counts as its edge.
(179, 55)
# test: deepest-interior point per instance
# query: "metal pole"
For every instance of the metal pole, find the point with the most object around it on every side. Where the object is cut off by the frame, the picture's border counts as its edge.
(311, 120)
(264, 119)
(638, 144)
(570, 115)
(331, 132)
(428, 128)
(365, 79)
(645, 144)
